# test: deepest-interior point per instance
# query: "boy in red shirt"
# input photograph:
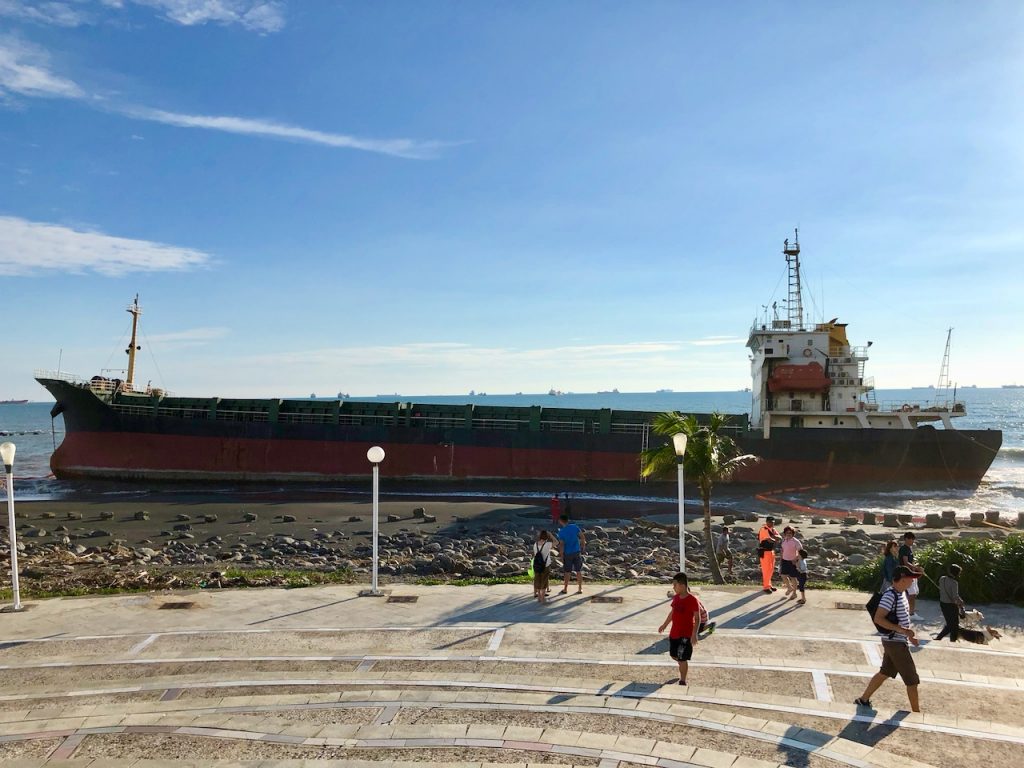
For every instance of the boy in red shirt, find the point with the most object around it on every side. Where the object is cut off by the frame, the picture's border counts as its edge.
(685, 619)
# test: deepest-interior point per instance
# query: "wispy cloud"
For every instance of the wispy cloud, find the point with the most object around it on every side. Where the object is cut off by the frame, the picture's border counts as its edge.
(409, 148)
(25, 71)
(29, 247)
(254, 15)
(714, 341)
(262, 16)
(55, 13)
(189, 338)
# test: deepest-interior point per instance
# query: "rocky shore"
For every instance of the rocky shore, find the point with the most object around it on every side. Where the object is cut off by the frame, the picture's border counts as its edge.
(69, 550)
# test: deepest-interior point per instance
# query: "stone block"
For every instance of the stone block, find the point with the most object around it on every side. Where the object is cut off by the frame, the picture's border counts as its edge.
(992, 516)
(1020, 519)
(728, 519)
(977, 519)
(870, 518)
(850, 520)
(906, 519)
(890, 520)
(933, 520)
(419, 512)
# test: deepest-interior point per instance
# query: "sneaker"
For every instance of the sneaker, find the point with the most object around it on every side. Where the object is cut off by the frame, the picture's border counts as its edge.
(682, 682)
(917, 617)
(775, 589)
(710, 629)
(768, 591)
(863, 703)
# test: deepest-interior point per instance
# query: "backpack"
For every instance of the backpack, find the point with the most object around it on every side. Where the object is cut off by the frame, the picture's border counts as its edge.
(872, 608)
(539, 563)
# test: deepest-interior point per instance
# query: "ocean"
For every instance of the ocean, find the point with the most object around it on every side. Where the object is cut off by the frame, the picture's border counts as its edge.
(35, 435)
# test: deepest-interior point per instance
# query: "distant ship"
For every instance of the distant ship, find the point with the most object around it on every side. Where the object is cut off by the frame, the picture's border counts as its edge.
(13, 402)
(815, 420)
(1005, 386)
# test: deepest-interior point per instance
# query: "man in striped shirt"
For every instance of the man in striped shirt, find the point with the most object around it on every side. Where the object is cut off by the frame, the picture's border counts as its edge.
(893, 614)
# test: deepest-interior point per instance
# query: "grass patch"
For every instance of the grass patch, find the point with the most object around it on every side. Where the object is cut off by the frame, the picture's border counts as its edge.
(993, 570)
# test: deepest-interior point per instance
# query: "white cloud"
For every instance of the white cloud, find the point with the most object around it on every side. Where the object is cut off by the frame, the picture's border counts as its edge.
(714, 341)
(409, 148)
(56, 13)
(25, 70)
(189, 338)
(261, 16)
(29, 247)
(254, 15)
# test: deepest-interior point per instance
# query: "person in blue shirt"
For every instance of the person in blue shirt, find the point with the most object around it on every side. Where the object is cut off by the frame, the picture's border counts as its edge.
(571, 544)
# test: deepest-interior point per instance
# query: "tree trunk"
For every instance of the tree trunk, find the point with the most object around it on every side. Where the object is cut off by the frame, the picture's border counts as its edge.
(709, 542)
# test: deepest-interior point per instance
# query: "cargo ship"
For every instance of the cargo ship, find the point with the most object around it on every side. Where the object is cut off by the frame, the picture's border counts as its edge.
(814, 421)
(13, 402)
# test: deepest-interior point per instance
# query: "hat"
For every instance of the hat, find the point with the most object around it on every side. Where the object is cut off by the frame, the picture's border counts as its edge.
(902, 572)
(769, 519)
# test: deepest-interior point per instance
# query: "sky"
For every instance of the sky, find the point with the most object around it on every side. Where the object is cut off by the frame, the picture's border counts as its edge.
(428, 198)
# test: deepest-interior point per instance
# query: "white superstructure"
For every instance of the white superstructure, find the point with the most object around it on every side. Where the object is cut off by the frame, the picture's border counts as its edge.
(810, 376)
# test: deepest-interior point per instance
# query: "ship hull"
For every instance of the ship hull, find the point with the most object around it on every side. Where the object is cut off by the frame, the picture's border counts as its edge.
(103, 443)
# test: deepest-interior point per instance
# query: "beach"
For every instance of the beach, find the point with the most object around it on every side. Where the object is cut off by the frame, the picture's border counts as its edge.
(91, 543)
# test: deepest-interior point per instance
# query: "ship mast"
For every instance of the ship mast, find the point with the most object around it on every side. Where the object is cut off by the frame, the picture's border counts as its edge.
(795, 301)
(944, 369)
(134, 310)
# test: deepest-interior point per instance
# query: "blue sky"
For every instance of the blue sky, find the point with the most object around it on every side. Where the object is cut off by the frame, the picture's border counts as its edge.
(429, 198)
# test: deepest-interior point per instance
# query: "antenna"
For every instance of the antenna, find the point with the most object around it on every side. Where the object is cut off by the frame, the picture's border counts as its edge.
(795, 300)
(944, 370)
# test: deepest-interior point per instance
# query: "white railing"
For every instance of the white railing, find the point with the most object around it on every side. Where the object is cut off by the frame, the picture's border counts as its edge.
(562, 426)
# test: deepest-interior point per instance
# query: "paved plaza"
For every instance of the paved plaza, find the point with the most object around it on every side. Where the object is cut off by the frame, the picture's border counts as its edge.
(477, 676)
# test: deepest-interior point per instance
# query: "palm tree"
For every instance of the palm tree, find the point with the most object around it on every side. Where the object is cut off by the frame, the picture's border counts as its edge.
(711, 457)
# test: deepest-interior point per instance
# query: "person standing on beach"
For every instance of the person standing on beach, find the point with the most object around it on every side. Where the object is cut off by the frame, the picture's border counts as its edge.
(890, 560)
(950, 603)
(684, 615)
(571, 545)
(723, 547)
(791, 547)
(767, 538)
(893, 613)
(567, 505)
(906, 557)
(555, 513)
(542, 557)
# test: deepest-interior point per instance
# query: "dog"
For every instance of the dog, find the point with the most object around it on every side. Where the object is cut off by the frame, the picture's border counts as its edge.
(972, 622)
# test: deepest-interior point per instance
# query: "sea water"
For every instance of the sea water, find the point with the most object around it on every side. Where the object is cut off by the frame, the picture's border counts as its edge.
(35, 434)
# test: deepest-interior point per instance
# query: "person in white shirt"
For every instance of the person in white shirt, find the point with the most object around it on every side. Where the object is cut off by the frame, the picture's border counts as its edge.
(893, 613)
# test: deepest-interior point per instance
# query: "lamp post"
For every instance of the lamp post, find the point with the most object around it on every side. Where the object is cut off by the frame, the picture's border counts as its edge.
(7, 455)
(375, 456)
(679, 443)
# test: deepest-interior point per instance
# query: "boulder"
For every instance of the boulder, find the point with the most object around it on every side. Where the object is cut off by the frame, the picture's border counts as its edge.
(209, 518)
(182, 518)
(74, 515)
(429, 518)
(394, 518)
(142, 515)
(106, 515)
(850, 520)
(354, 519)
(728, 519)
(818, 520)
(287, 518)
(857, 559)
(419, 512)
(750, 517)
(250, 517)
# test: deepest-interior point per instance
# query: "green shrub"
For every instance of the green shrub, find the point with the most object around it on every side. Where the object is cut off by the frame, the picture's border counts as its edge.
(993, 571)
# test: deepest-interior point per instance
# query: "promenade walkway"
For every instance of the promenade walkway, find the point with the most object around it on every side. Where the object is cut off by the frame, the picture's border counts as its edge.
(475, 676)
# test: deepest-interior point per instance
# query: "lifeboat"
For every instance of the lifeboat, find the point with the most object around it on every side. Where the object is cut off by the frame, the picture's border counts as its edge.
(809, 377)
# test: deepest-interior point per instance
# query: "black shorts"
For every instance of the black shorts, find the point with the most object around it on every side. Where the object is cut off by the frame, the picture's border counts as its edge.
(679, 648)
(788, 568)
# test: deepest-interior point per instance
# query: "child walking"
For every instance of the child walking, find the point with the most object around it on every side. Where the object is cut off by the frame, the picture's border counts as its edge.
(542, 565)
(801, 576)
(684, 616)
